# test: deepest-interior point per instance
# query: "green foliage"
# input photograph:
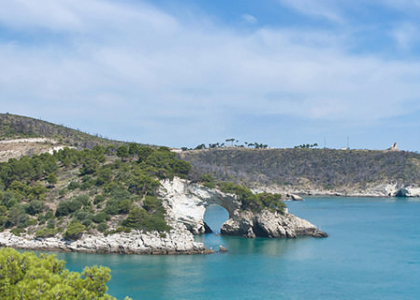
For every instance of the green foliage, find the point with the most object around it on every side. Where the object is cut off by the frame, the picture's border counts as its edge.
(124, 206)
(151, 203)
(17, 231)
(102, 227)
(73, 185)
(35, 207)
(104, 176)
(139, 218)
(143, 184)
(116, 183)
(208, 181)
(100, 217)
(28, 276)
(98, 199)
(273, 201)
(45, 232)
(17, 216)
(306, 146)
(144, 153)
(52, 178)
(89, 166)
(251, 201)
(122, 152)
(74, 231)
(67, 207)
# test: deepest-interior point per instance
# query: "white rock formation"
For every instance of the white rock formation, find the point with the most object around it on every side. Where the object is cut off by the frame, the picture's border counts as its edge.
(177, 241)
(186, 202)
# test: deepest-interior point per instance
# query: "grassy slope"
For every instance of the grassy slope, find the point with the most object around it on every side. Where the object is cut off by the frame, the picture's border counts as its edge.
(324, 168)
(14, 126)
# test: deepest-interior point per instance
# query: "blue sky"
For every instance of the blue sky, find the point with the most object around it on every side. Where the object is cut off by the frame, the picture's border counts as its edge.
(278, 72)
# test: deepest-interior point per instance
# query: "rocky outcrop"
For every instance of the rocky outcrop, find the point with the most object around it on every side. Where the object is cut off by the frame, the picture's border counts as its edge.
(178, 241)
(186, 203)
(269, 224)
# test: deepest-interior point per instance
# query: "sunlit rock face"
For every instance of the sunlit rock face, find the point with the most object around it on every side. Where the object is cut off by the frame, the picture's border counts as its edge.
(186, 203)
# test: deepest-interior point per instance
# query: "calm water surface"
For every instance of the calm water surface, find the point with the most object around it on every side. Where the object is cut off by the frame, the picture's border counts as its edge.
(373, 252)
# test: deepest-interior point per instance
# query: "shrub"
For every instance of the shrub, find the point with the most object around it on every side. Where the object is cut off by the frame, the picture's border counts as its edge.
(49, 215)
(17, 231)
(138, 218)
(151, 203)
(112, 207)
(73, 185)
(52, 179)
(28, 276)
(51, 224)
(16, 217)
(98, 199)
(84, 199)
(102, 227)
(62, 209)
(45, 232)
(208, 181)
(124, 206)
(83, 215)
(35, 207)
(100, 217)
(74, 231)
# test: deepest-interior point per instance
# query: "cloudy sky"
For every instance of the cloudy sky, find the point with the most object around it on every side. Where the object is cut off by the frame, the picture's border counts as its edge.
(186, 72)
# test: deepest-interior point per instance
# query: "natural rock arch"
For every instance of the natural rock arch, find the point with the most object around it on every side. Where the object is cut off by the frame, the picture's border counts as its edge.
(186, 203)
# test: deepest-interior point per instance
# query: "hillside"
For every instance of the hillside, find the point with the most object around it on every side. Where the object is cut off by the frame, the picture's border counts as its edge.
(72, 191)
(319, 171)
(21, 136)
(15, 127)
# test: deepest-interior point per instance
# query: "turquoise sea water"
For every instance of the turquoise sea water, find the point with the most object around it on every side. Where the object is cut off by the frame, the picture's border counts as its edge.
(373, 252)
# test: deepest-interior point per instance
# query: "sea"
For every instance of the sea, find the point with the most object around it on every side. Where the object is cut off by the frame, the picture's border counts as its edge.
(372, 252)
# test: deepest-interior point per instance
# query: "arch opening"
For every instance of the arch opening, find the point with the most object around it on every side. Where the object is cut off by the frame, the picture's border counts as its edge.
(214, 217)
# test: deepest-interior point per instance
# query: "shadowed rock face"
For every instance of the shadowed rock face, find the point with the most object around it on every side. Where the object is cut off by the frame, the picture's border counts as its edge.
(186, 203)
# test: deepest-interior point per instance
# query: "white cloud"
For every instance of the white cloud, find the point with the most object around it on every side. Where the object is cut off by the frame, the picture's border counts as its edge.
(322, 8)
(144, 68)
(250, 19)
(405, 35)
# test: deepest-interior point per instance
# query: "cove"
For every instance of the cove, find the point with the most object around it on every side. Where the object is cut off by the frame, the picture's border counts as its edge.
(372, 252)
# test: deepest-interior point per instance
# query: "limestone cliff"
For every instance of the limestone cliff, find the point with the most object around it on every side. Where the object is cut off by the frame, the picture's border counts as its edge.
(186, 203)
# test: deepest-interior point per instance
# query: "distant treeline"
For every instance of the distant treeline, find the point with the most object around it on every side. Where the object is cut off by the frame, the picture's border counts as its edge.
(325, 168)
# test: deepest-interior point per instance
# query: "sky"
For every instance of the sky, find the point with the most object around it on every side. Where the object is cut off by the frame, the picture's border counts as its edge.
(181, 73)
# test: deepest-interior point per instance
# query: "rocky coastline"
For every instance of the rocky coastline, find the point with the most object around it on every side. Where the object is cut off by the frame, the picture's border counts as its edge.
(178, 241)
(185, 205)
(372, 190)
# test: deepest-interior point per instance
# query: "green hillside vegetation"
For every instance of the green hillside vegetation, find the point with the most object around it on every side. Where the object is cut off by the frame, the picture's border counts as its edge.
(324, 168)
(105, 189)
(28, 276)
(14, 126)
(249, 200)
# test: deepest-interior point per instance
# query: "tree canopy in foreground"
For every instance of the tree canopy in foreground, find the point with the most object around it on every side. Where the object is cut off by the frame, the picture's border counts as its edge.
(28, 276)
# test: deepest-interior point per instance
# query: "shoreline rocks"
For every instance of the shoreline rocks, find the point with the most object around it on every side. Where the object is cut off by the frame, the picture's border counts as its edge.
(269, 224)
(135, 242)
(373, 190)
